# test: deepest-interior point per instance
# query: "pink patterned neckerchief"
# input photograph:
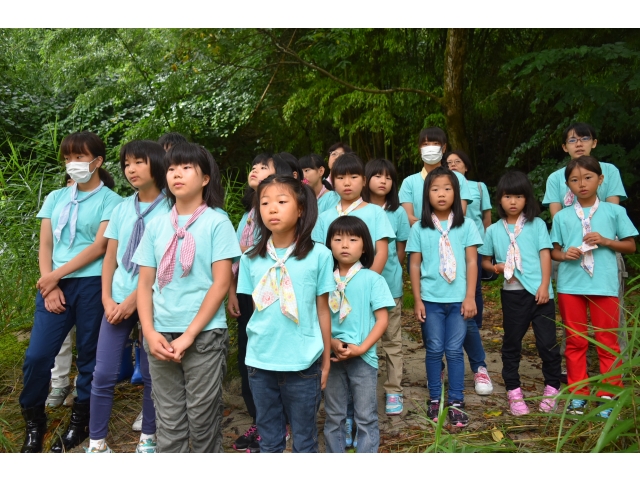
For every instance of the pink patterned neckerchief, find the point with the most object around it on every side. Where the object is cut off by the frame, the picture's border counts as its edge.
(587, 262)
(514, 258)
(569, 198)
(247, 238)
(323, 190)
(349, 209)
(268, 291)
(337, 299)
(445, 251)
(187, 252)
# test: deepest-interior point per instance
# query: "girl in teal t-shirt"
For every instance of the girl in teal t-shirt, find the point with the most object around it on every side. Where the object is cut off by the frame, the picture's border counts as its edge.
(289, 278)
(314, 171)
(382, 190)
(443, 275)
(359, 304)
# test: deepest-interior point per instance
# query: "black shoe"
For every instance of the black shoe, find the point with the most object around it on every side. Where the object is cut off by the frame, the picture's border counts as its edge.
(246, 439)
(457, 417)
(77, 431)
(36, 427)
(433, 410)
(255, 445)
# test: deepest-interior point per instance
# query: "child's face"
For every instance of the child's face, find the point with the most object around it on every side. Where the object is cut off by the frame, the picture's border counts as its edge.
(313, 175)
(513, 204)
(333, 156)
(259, 172)
(455, 164)
(584, 183)
(380, 184)
(349, 186)
(347, 249)
(186, 181)
(279, 208)
(138, 172)
(577, 146)
(441, 194)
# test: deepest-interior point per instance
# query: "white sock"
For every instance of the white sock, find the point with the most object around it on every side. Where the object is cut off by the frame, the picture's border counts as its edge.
(144, 437)
(100, 444)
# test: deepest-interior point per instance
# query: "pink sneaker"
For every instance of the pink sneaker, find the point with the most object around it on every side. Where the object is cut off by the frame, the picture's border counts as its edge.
(548, 403)
(517, 404)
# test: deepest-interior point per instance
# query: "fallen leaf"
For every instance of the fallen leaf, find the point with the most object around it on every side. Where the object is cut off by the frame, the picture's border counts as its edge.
(497, 435)
(492, 413)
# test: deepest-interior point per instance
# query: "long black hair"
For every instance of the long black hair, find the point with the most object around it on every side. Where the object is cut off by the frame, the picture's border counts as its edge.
(456, 208)
(315, 161)
(350, 225)
(198, 156)
(152, 153)
(293, 163)
(382, 166)
(517, 183)
(306, 200)
(281, 167)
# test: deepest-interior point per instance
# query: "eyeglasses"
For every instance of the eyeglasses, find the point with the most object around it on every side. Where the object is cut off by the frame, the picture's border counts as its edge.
(584, 139)
(454, 162)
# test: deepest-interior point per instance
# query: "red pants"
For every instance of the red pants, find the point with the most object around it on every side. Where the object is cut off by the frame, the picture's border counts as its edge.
(604, 318)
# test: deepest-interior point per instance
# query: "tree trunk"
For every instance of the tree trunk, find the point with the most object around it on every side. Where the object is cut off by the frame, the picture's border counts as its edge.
(454, 57)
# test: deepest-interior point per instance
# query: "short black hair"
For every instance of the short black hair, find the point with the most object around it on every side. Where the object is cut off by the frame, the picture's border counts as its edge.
(200, 157)
(88, 143)
(306, 200)
(315, 161)
(347, 163)
(292, 162)
(585, 161)
(432, 134)
(456, 208)
(342, 145)
(350, 225)
(382, 166)
(152, 153)
(581, 129)
(170, 139)
(462, 155)
(280, 166)
(515, 182)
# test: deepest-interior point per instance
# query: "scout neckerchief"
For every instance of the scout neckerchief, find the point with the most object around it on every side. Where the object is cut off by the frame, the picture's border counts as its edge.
(64, 213)
(338, 299)
(445, 251)
(587, 262)
(514, 258)
(349, 209)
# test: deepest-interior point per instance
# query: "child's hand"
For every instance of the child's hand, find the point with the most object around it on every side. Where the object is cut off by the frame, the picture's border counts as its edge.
(109, 306)
(180, 345)
(340, 349)
(233, 306)
(572, 253)
(419, 311)
(323, 378)
(158, 346)
(499, 268)
(542, 295)
(468, 309)
(47, 283)
(121, 312)
(54, 302)
(594, 238)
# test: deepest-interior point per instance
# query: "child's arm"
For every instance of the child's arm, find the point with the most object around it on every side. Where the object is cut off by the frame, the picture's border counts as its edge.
(488, 266)
(625, 245)
(486, 219)
(324, 317)
(408, 206)
(54, 302)
(469, 309)
(542, 295)
(94, 251)
(464, 206)
(400, 250)
(572, 253)
(382, 254)
(233, 306)
(109, 265)
(554, 207)
(613, 199)
(382, 322)
(414, 272)
(158, 345)
(221, 273)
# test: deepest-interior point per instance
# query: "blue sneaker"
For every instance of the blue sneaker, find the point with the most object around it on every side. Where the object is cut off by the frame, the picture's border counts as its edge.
(355, 440)
(576, 407)
(606, 413)
(393, 404)
(348, 429)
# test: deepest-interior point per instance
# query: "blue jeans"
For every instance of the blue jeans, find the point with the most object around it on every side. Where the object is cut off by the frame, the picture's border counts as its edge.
(111, 343)
(473, 342)
(363, 380)
(84, 309)
(443, 333)
(282, 395)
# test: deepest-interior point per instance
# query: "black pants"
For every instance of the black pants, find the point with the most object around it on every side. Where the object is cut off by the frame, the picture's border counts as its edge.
(519, 310)
(246, 310)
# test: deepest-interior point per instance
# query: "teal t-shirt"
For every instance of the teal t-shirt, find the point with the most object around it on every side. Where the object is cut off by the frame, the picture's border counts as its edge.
(176, 306)
(611, 185)
(276, 342)
(481, 203)
(120, 227)
(327, 201)
(610, 220)
(392, 271)
(372, 215)
(533, 238)
(412, 188)
(434, 288)
(96, 209)
(366, 292)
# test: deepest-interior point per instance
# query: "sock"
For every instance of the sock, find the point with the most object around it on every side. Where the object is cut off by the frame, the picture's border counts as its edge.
(144, 437)
(99, 444)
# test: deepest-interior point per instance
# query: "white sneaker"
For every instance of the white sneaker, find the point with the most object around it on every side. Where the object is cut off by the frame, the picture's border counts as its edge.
(137, 424)
(483, 382)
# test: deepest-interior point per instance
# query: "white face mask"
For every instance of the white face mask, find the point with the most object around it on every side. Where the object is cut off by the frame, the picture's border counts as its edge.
(79, 171)
(431, 155)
